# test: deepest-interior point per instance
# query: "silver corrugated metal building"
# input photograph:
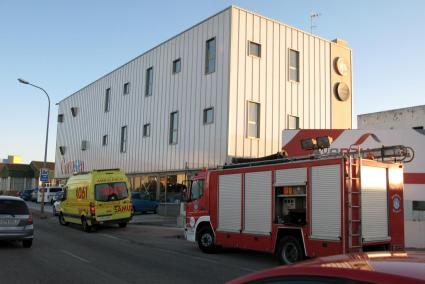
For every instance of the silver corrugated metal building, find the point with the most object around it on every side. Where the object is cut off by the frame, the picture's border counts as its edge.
(225, 87)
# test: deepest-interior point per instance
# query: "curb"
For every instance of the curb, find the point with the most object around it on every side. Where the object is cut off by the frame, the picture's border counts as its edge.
(36, 213)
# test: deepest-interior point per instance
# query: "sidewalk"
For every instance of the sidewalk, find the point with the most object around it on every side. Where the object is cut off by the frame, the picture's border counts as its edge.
(138, 219)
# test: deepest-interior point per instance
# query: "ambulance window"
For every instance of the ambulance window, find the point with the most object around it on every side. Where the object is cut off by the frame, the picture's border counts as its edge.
(197, 189)
(65, 193)
(111, 191)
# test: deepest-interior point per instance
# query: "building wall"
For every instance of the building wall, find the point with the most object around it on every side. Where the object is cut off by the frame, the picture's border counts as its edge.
(403, 118)
(238, 79)
(265, 80)
(188, 92)
(341, 108)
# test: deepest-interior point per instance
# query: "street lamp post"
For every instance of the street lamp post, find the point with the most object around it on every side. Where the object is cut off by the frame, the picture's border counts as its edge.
(47, 137)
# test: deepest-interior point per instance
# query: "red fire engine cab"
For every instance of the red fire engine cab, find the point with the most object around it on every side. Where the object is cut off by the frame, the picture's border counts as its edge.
(317, 205)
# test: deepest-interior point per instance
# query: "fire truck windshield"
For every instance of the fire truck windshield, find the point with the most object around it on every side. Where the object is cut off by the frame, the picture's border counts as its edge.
(197, 189)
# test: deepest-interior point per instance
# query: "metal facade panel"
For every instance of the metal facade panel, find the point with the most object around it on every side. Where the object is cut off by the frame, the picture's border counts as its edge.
(258, 202)
(230, 203)
(291, 177)
(374, 207)
(188, 92)
(265, 80)
(326, 202)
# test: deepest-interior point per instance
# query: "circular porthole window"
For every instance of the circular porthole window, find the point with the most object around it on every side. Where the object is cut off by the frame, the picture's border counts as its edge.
(342, 91)
(341, 67)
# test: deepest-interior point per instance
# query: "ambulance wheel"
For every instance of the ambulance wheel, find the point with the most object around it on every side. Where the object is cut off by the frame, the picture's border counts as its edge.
(62, 220)
(206, 240)
(289, 250)
(123, 224)
(86, 226)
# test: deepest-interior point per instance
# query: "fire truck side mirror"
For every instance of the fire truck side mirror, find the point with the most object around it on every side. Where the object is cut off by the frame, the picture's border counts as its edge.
(186, 191)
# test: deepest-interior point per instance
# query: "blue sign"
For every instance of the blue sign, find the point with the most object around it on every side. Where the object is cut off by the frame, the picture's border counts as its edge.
(44, 175)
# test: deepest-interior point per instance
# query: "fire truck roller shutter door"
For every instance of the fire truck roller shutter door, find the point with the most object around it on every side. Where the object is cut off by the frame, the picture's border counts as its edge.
(374, 207)
(230, 199)
(291, 177)
(258, 200)
(326, 202)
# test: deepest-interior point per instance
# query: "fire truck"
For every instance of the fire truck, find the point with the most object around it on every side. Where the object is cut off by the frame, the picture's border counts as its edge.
(300, 207)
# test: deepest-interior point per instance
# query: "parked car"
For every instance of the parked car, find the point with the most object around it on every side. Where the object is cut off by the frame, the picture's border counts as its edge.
(26, 194)
(373, 267)
(49, 193)
(16, 221)
(34, 194)
(144, 202)
(56, 203)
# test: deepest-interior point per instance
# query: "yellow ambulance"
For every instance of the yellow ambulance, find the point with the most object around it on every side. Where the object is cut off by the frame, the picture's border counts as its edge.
(95, 198)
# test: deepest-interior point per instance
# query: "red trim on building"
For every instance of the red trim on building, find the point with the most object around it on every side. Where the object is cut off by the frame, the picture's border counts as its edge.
(414, 178)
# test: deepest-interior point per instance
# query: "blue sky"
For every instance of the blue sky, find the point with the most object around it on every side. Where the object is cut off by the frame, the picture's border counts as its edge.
(65, 45)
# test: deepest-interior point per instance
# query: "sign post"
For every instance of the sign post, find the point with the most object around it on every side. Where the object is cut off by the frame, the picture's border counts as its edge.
(44, 178)
(44, 175)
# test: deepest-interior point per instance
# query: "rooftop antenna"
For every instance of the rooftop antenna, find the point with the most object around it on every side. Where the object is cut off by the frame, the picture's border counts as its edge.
(312, 16)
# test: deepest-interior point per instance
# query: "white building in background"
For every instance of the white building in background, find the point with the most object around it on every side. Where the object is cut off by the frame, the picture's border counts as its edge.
(225, 87)
(402, 118)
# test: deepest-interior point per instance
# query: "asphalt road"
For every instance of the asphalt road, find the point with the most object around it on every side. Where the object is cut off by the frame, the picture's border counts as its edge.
(135, 254)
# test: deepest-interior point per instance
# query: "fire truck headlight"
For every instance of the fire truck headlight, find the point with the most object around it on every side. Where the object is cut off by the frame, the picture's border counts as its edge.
(192, 222)
(324, 142)
(309, 144)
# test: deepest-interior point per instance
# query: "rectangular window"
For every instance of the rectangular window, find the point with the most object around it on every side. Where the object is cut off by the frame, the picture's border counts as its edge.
(418, 205)
(127, 88)
(210, 54)
(293, 122)
(177, 66)
(294, 65)
(107, 99)
(62, 150)
(254, 49)
(174, 127)
(74, 111)
(105, 140)
(123, 144)
(60, 117)
(147, 130)
(149, 82)
(84, 145)
(253, 127)
(208, 115)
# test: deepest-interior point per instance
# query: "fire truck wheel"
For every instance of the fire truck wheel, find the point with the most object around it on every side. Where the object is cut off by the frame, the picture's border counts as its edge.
(289, 250)
(206, 240)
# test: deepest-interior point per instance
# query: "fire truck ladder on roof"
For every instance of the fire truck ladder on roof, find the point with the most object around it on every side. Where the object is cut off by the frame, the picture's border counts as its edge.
(397, 153)
(355, 243)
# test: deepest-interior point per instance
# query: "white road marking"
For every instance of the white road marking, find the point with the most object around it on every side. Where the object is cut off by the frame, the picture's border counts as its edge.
(109, 236)
(75, 256)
